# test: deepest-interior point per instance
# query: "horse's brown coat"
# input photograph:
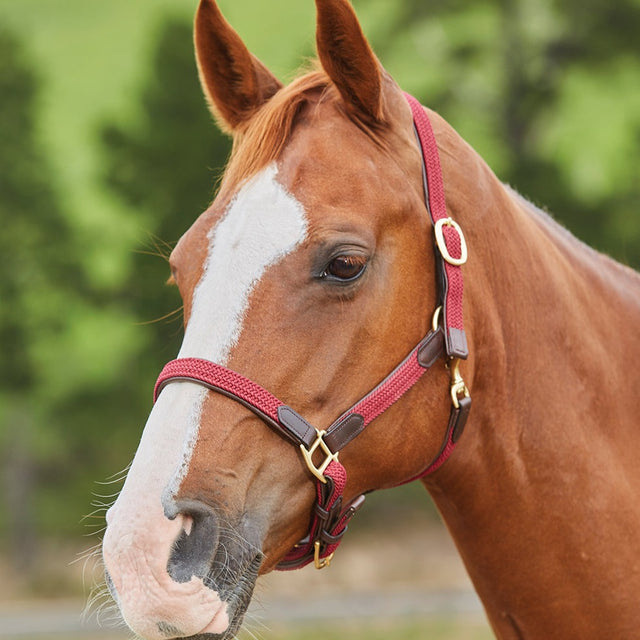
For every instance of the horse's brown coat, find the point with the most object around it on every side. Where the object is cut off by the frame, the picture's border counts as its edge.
(541, 495)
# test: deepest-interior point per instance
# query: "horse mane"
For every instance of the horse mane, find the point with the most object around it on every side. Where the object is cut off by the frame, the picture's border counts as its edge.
(267, 133)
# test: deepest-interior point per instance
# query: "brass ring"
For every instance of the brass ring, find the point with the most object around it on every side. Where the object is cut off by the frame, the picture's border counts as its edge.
(442, 245)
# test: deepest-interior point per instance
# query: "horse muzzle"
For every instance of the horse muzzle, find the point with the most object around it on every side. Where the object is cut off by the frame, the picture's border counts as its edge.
(186, 576)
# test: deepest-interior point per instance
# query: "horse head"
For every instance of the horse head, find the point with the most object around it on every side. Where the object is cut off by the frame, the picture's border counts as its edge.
(311, 275)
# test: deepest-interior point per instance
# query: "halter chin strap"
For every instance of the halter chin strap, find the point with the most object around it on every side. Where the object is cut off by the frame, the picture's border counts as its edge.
(320, 448)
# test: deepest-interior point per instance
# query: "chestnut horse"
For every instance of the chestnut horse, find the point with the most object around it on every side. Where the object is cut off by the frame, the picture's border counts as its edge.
(310, 278)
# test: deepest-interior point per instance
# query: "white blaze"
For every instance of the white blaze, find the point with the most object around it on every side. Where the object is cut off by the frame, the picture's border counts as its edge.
(262, 225)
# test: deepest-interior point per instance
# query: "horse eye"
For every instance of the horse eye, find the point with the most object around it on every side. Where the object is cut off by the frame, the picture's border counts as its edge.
(346, 268)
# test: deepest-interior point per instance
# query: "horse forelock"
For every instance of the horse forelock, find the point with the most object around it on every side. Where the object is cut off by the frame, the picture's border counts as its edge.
(264, 137)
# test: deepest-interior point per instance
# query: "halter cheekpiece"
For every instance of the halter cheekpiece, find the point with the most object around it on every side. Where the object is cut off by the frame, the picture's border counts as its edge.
(320, 448)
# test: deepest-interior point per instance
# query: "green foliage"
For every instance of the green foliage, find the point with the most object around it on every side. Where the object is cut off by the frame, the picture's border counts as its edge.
(165, 166)
(34, 255)
(58, 344)
(36, 273)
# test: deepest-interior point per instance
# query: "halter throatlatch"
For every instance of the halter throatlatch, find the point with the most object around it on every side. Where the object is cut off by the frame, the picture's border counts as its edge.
(320, 448)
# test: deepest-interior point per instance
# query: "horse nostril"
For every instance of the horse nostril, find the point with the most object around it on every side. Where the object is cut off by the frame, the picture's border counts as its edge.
(195, 547)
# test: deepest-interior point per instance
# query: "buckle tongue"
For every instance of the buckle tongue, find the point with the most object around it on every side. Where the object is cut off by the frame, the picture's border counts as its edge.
(307, 454)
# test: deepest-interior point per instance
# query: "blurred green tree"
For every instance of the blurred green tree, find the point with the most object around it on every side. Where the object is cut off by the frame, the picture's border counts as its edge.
(63, 347)
(164, 165)
(37, 275)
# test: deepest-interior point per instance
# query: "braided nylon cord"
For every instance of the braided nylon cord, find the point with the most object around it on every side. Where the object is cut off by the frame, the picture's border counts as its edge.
(215, 375)
(438, 207)
(303, 553)
(390, 390)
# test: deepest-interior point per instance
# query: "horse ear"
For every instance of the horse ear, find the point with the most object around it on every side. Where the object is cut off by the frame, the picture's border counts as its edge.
(348, 59)
(234, 81)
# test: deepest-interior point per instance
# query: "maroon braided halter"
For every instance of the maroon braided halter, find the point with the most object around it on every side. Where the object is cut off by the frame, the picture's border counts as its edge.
(445, 339)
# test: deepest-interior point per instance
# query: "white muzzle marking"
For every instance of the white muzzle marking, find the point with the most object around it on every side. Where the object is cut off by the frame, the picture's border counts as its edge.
(262, 225)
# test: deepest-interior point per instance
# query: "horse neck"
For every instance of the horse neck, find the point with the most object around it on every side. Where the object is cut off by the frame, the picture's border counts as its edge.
(549, 445)
(544, 312)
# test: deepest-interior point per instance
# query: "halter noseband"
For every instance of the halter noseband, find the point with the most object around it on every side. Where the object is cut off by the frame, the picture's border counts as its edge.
(445, 339)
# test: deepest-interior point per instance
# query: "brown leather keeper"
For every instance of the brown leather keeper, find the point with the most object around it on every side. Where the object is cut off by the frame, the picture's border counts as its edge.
(460, 416)
(431, 349)
(457, 344)
(342, 433)
(296, 425)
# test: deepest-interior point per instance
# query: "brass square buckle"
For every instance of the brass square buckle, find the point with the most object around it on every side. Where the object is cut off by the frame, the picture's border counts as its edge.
(321, 563)
(329, 456)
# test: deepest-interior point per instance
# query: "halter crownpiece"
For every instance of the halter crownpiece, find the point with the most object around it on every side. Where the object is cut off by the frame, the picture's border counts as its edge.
(320, 448)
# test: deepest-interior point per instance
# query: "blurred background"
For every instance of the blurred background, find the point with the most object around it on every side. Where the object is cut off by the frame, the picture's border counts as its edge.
(108, 154)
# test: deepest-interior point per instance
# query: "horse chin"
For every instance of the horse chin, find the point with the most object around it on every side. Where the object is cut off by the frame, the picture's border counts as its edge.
(236, 596)
(225, 555)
